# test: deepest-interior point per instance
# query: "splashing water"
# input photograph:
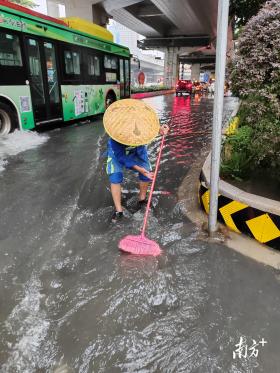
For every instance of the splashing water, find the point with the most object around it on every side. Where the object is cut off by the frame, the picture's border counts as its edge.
(18, 142)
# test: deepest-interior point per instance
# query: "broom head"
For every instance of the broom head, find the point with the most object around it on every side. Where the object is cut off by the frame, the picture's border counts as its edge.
(139, 245)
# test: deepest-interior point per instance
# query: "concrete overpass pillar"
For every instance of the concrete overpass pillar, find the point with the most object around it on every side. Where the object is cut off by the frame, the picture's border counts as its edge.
(195, 71)
(53, 9)
(79, 8)
(171, 67)
(182, 69)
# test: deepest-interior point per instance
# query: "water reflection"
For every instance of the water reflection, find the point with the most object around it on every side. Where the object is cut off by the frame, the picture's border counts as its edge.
(72, 303)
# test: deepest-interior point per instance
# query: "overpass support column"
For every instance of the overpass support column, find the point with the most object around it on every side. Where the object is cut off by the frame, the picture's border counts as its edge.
(79, 8)
(76, 8)
(195, 71)
(182, 69)
(53, 9)
(171, 67)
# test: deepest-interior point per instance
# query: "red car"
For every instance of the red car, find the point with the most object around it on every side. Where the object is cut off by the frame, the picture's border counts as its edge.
(184, 86)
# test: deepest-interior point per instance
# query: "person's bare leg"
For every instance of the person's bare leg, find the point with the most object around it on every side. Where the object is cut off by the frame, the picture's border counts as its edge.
(116, 194)
(143, 186)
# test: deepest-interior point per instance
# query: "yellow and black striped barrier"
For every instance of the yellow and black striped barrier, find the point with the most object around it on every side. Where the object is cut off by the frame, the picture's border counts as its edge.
(241, 218)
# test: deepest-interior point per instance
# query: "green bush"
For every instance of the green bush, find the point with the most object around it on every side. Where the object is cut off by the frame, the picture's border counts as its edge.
(152, 88)
(237, 163)
(253, 146)
(266, 145)
(255, 76)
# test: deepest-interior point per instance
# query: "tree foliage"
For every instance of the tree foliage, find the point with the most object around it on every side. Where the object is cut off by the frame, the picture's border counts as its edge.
(243, 10)
(255, 71)
(26, 3)
(255, 75)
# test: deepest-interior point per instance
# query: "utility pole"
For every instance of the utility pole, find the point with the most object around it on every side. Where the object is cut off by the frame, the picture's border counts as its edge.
(221, 49)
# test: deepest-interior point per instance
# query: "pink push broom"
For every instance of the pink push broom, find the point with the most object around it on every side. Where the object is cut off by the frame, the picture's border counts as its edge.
(141, 245)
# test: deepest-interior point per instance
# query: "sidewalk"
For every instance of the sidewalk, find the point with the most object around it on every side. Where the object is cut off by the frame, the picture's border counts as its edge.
(152, 94)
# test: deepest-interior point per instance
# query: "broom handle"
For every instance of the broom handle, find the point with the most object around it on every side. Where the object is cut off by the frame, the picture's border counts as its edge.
(152, 188)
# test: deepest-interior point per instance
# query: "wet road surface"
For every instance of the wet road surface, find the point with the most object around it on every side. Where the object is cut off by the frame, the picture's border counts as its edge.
(70, 302)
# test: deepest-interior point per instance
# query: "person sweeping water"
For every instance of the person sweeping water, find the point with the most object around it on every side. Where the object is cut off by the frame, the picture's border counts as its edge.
(131, 125)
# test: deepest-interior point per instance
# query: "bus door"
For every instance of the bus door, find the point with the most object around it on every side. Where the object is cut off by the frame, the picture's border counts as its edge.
(43, 80)
(122, 82)
(124, 78)
(127, 78)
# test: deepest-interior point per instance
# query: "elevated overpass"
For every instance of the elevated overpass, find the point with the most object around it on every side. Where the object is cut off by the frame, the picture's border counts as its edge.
(182, 29)
(185, 30)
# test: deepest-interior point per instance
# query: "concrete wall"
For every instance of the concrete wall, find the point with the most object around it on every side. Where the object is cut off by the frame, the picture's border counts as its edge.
(195, 71)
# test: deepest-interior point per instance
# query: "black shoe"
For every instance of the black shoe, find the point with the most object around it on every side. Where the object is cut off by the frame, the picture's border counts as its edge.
(117, 216)
(142, 203)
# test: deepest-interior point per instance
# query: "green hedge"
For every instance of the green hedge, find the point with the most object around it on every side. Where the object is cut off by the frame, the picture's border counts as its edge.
(152, 88)
(254, 146)
(255, 77)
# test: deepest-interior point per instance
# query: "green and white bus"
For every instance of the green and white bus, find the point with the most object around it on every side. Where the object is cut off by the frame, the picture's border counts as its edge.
(50, 72)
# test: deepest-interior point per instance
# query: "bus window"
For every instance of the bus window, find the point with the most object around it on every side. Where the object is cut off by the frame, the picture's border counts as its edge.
(110, 62)
(127, 78)
(93, 66)
(36, 78)
(10, 54)
(76, 63)
(111, 66)
(121, 64)
(51, 72)
(68, 62)
(72, 63)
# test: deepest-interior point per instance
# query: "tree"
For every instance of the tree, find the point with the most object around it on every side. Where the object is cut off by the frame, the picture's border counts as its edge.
(255, 76)
(26, 3)
(255, 71)
(242, 10)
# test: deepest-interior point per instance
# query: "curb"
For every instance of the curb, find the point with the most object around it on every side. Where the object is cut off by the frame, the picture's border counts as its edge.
(242, 212)
(261, 224)
(151, 94)
(188, 196)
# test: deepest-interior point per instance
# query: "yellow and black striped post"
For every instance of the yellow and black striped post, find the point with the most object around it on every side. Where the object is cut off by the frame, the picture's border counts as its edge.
(260, 225)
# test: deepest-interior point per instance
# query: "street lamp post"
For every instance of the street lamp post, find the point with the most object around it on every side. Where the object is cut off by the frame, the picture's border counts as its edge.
(222, 31)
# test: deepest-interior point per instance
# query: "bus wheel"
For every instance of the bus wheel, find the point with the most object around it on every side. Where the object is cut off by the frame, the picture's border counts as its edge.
(110, 99)
(7, 119)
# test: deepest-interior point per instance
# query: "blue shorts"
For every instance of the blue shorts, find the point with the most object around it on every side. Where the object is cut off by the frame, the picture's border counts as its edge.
(115, 170)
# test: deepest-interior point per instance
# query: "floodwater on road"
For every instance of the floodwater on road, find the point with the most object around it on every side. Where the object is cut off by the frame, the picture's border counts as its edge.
(71, 302)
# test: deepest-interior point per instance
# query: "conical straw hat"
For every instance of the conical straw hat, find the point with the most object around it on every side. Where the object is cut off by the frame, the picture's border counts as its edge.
(131, 122)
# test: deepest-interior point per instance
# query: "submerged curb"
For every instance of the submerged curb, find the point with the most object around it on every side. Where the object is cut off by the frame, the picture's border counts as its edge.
(152, 94)
(251, 248)
(243, 212)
